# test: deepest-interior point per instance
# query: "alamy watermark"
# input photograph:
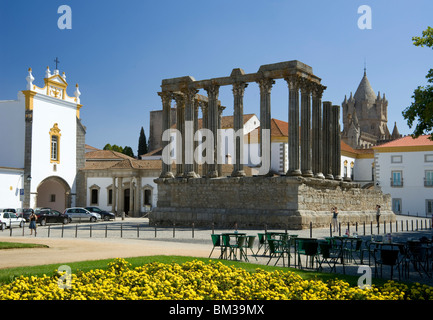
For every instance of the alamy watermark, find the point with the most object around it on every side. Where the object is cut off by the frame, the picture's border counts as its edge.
(364, 281)
(365, 20)
(64, 281)
(204, 151)
(65, 20)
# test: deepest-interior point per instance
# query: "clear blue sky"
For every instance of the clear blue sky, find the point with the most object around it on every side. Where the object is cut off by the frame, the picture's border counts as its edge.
(119, 51)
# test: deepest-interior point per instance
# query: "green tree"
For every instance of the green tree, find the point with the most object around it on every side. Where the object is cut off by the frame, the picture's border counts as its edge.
(128, 151)
(421, 110)
(142, 143)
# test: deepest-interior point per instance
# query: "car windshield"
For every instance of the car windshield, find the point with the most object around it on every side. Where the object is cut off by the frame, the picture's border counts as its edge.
(94, 209)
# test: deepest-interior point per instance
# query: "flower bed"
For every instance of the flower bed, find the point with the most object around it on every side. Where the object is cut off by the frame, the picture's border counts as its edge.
(198, 280)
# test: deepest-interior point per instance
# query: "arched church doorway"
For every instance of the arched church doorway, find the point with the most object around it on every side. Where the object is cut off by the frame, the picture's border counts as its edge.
(54, 193)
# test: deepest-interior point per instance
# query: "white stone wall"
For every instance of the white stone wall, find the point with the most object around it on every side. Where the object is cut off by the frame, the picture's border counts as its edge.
(11, 181)
(46, 112)
(12, 131)
(413, 193)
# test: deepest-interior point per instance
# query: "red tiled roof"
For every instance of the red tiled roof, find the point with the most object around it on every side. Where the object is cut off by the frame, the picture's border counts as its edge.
(407, 141)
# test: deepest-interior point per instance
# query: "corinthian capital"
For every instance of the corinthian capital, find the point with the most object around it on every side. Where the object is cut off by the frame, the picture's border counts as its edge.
(189, 93)
(265, 84)
(293, 81)
(239, 88)
(317, 90)
(166, 96)
(180, 100)
(212, 91)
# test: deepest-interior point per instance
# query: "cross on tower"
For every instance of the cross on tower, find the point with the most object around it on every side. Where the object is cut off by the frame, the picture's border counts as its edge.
(57, 62)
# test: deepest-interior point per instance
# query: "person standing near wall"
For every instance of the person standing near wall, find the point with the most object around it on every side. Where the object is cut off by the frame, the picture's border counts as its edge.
(334, 211)
(377, 213)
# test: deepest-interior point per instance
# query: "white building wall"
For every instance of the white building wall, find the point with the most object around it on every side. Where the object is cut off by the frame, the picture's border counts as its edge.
(103, 184)
(413, 193)
(46, 112)
(11, 182)
(148, 183)
(363, 169)
(12, 132)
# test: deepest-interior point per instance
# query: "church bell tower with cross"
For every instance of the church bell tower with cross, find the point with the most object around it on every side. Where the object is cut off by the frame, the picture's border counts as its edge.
(51, 141)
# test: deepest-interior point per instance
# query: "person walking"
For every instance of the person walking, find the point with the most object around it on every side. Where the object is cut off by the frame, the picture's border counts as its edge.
(334, 211)
(32, 225)
(377, 213)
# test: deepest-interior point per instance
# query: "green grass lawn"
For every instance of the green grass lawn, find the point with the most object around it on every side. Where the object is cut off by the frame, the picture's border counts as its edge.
(16, 245)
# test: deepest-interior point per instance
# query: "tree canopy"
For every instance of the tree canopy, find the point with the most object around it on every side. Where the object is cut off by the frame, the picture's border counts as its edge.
(421, 110)
(142, 143)
(125, 150)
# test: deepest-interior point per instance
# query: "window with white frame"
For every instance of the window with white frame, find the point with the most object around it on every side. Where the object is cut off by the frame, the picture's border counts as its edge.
(396, 205)
(429, 206)
(94, 195)
(396, 159)
(428, 179)
(396, 179)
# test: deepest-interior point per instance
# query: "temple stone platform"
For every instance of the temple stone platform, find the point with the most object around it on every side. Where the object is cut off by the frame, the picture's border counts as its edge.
(277, 202)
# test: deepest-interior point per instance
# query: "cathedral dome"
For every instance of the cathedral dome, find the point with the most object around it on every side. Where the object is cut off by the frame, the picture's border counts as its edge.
(365, 91)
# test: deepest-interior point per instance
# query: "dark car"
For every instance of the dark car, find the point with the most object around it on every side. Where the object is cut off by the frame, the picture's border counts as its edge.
(105, 215)
(25, 213)
(51, 216)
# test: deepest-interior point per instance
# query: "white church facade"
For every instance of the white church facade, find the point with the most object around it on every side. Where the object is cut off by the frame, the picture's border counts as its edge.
(42, 143)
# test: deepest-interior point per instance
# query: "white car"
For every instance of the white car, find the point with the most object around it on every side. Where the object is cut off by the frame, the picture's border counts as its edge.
(82, 215)
(10, 219)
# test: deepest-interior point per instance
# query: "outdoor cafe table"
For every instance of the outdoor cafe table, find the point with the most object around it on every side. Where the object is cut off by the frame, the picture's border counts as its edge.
(231, 236)
(342, 243)
(379, 245)
(270, 235)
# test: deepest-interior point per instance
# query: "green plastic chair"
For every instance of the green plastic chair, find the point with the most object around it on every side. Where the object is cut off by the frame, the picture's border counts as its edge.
(328, 255)
(356, 250)
(216, 241)
(249, 243)
(311, 251)
(226, 246)
(276, 250)
(262, 242)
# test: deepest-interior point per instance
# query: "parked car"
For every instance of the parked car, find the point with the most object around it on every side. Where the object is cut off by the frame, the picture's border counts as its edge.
(8, 210)
(81, 214)
(51, 216)
(10, 219)
(105, 215)
(25, 213)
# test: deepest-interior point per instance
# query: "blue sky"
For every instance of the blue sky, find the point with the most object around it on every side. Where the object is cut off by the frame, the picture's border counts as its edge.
(119, 52)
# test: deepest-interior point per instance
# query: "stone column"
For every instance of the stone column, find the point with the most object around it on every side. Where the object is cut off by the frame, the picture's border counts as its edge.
(238, 126)
(213, 92)
(180, 126)
(120, 195)
(166, 124)
(294, 168)
(306, 166)
(317, 131)
(336, 162)
(328, 140)
(113, 202)
(204, 111)
(131, 197)
(188, 134)
(195, 144)
(220, 161)
(265, 85)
